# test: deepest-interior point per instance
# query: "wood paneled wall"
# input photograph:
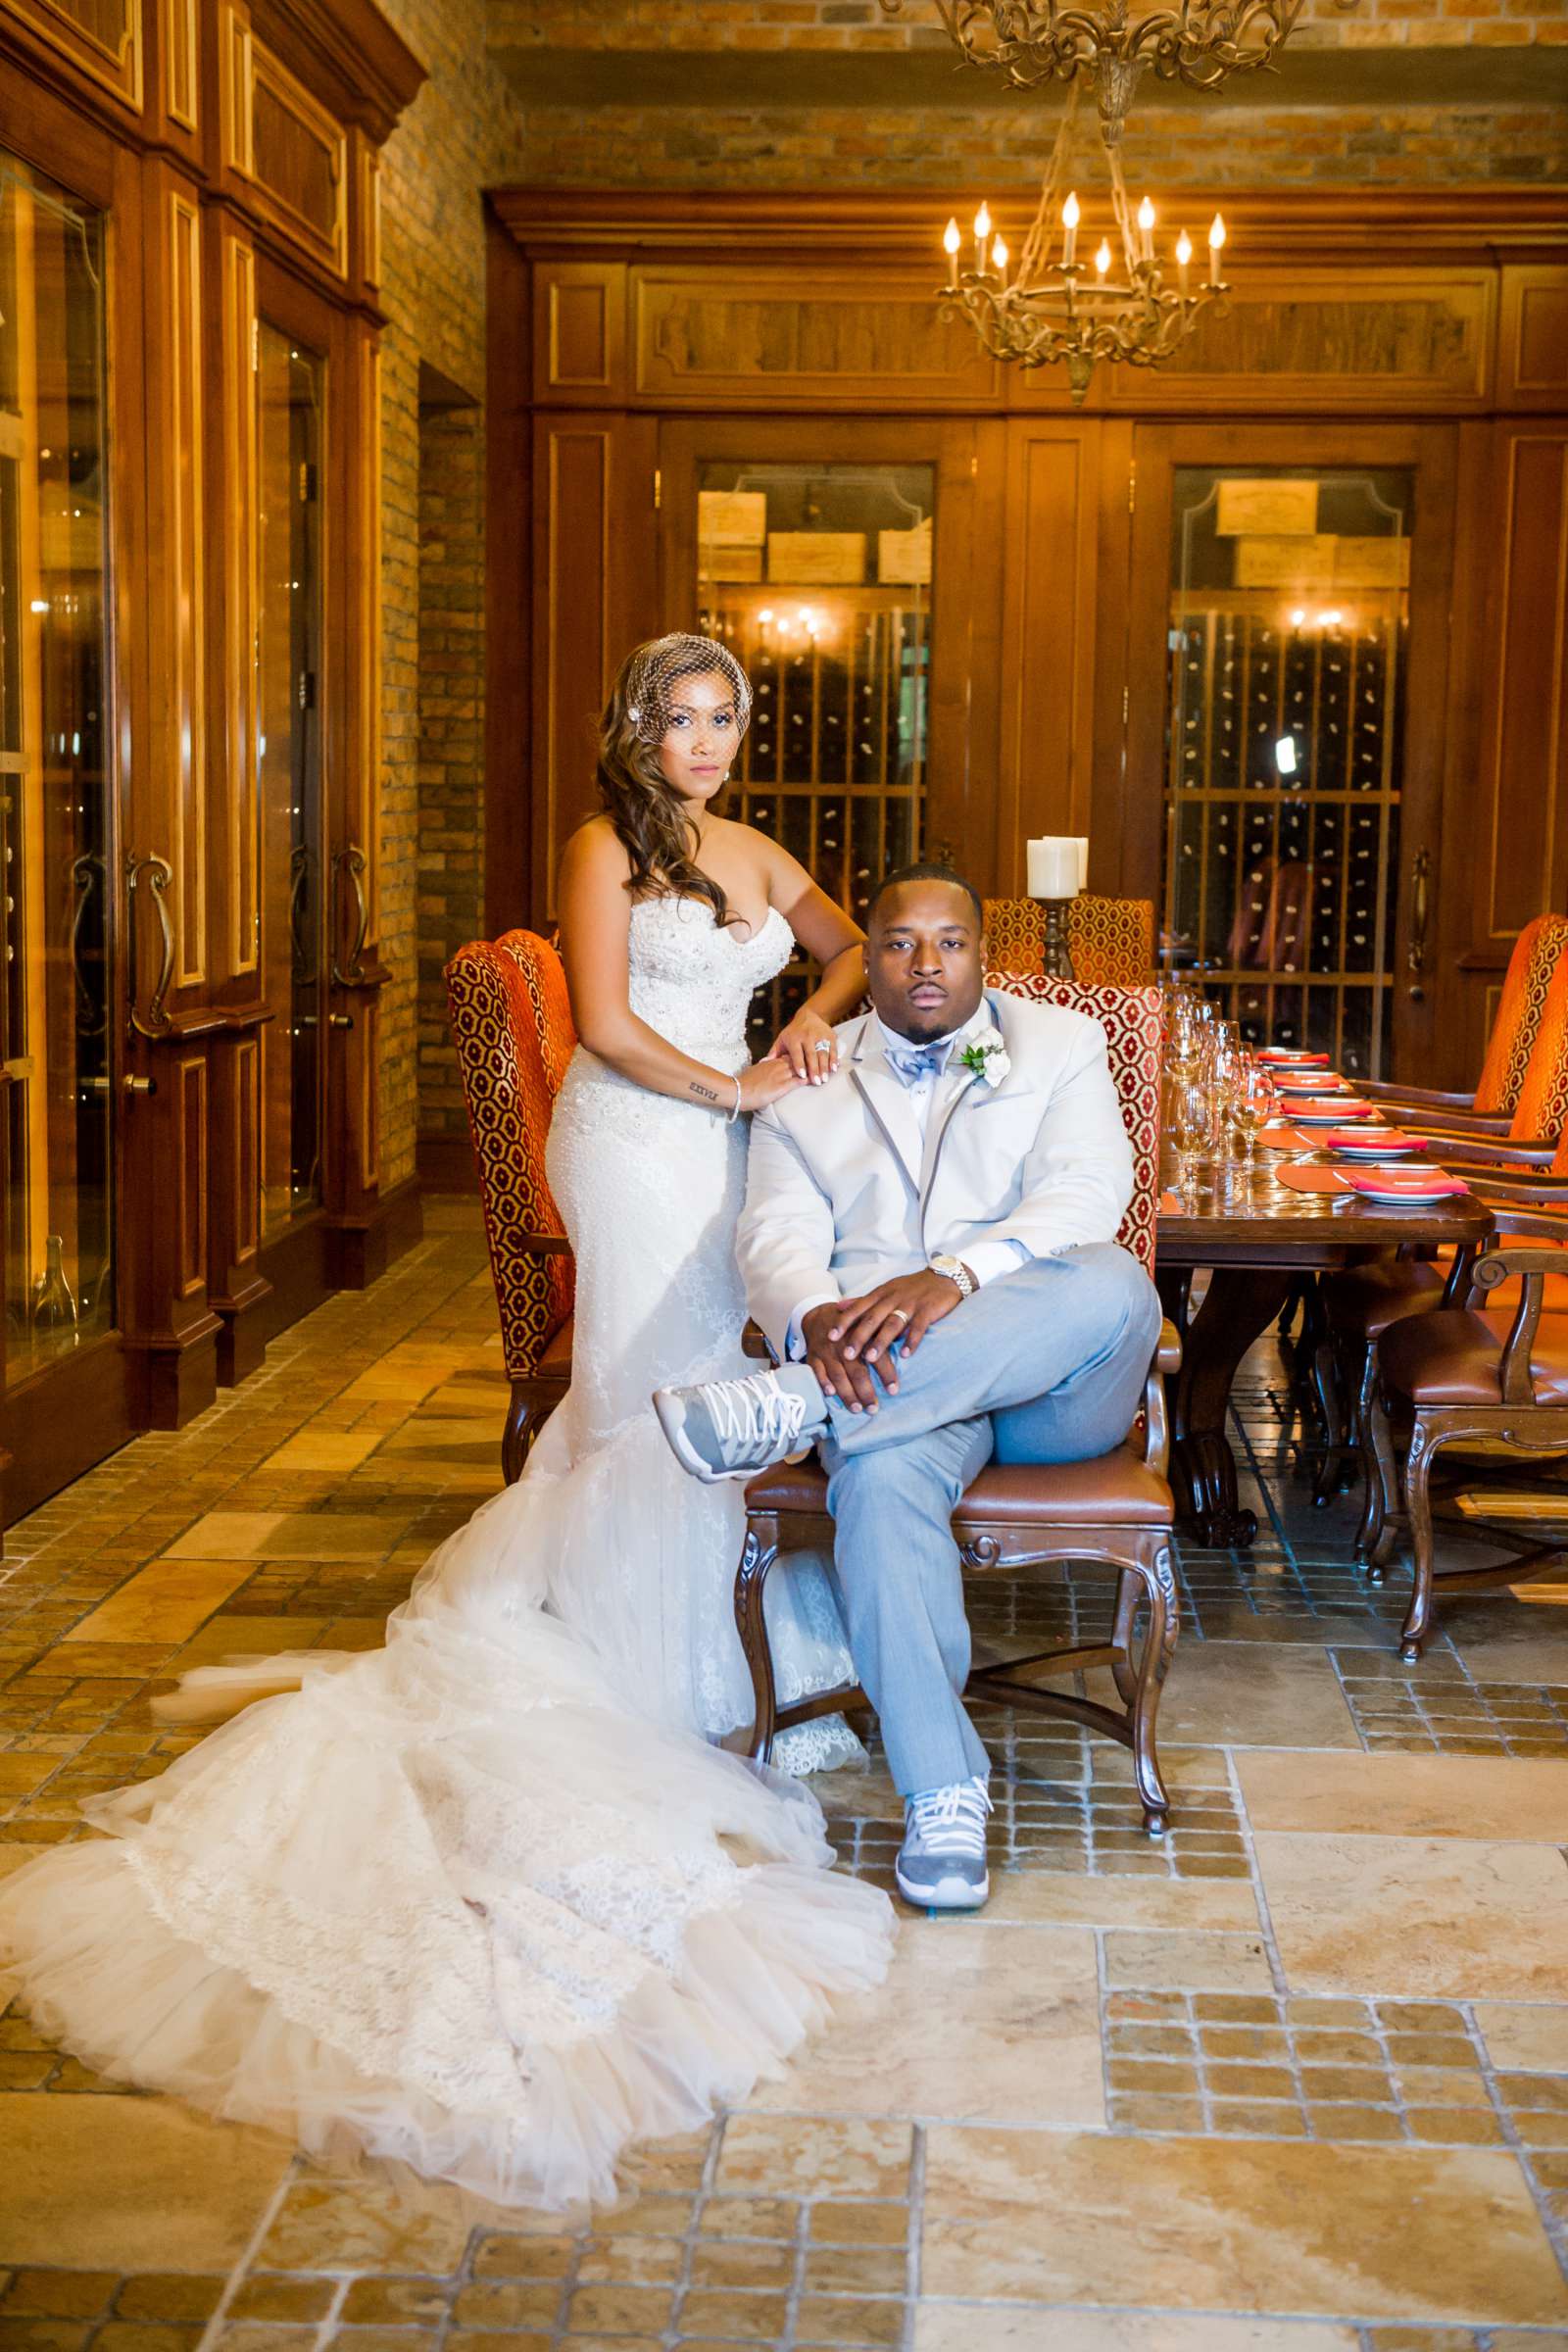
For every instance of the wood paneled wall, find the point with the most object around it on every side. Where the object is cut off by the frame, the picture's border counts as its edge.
(635, 316)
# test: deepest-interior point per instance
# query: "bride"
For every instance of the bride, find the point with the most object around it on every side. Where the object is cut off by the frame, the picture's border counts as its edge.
(480, 1900)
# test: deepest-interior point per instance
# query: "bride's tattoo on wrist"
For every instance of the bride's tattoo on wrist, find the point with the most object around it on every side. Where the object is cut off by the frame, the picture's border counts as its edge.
(709, 1093)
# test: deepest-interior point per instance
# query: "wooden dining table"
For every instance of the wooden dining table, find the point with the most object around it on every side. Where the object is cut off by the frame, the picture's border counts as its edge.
(1254, 1237)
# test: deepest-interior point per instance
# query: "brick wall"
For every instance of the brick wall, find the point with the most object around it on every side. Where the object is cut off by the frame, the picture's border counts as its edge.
(855, 24)
(460, 136)
(1000, 149)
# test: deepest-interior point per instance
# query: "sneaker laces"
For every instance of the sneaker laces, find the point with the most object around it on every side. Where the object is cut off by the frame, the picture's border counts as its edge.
(753, 1412)
(951, 1821)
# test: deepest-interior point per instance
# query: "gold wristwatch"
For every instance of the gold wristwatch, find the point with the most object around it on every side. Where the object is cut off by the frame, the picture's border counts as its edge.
(956, 1271)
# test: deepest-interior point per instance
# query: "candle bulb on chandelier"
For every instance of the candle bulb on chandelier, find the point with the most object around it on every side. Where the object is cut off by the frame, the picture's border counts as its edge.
(1102, 257)
(999, 259)
(1216, 242)
(1070, 217)
(1146, 230)
(1184, 255)
(951, 242)
(982, 232)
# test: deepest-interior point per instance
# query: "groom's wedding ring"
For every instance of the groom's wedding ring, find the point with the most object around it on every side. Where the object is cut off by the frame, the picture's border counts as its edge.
(903, 1317)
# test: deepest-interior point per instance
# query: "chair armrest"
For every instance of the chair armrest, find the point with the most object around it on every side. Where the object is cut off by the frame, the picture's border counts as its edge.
(1164, 1363)
(1471, 1154)
(1389, 1090)
(1458, 1122)
(755, 1344)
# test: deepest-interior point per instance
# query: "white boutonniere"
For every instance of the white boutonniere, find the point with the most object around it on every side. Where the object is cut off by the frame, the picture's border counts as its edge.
(989, 1059)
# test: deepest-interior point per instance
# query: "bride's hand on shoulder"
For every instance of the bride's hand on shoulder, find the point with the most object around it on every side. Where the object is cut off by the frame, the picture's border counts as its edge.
(809, 1045)
(765, 1081)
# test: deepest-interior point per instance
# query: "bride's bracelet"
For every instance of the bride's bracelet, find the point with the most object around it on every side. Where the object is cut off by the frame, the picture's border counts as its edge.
(736, 1112)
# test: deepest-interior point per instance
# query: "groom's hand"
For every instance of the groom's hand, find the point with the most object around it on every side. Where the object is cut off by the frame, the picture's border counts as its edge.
(848, 1339)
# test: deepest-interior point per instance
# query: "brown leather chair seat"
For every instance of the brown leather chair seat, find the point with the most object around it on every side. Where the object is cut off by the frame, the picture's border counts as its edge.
(1117, 1489)
(1453, 1355)
(1367, 1300)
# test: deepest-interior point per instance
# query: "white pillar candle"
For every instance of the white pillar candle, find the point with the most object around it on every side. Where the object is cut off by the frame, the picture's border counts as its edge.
(1054, 867)
(1081, 844)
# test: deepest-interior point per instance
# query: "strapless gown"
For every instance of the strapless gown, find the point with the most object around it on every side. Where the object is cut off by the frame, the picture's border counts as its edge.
(481, 1900)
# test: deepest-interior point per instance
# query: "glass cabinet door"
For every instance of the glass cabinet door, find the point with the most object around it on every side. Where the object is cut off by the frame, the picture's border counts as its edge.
(1289, 620)
(291, 380)
(56, 836)
(819, 579)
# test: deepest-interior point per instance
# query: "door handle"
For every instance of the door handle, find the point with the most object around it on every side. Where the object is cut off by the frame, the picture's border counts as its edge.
(351, 972)
(1420, 910)
(158, 875)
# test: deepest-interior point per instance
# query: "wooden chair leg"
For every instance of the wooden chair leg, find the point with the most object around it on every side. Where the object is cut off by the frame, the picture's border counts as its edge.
(1423, 1544)
(1329, 1391)
(757, 1554)
(1386, 1472)
(1158, 1576)
(518, 1433)
(1123, 1672)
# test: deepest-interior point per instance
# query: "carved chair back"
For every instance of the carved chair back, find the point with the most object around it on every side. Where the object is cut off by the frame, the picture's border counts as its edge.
(512, 1025)
(1521, 1007)
(1113, 939)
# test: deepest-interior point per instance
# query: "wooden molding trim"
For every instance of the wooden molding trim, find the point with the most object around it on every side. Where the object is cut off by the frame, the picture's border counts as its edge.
(348, 54)
(1453, 223)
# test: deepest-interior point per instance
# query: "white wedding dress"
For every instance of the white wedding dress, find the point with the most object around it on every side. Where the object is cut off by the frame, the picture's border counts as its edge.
(479, 1900)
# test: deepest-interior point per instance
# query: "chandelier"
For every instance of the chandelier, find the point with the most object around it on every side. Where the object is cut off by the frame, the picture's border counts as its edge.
(1056, 308)
(1197, 41)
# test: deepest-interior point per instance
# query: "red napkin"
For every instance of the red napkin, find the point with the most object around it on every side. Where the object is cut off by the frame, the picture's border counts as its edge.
(1360, 1139)
(1415, 1184)
(1291, 1054)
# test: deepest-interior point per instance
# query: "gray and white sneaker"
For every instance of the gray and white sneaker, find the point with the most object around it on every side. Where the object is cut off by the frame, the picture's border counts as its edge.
(942, 1862)
(738, 1428)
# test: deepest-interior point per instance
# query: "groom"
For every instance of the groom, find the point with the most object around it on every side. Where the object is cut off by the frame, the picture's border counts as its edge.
(928, 1243)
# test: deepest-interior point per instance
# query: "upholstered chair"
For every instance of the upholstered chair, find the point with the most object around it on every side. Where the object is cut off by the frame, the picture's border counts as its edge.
(511, 1024)
(1118, 1511)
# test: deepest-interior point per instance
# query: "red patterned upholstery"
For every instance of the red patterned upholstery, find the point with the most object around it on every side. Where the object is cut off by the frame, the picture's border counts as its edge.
(1113, 939)
(1537, 953)
(511, 1024)
(1131, 1018)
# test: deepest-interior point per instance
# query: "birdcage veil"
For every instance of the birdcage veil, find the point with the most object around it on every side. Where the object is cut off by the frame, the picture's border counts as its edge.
(656, 670)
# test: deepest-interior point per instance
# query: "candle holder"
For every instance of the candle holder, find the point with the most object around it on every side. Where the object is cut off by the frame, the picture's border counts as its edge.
(1055, 953)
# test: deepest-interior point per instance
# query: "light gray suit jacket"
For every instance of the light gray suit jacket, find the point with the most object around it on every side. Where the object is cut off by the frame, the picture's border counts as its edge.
(841, 1193)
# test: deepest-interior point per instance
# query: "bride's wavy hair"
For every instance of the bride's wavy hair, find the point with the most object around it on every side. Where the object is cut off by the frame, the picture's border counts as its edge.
(648, 815)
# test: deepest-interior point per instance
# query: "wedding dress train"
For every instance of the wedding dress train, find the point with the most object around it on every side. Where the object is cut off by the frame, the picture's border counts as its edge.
(476, 1900)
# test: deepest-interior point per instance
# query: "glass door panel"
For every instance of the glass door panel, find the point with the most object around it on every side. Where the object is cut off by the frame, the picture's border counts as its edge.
(54, 804)
(1287, 634)
(819, 579)
(291, 381)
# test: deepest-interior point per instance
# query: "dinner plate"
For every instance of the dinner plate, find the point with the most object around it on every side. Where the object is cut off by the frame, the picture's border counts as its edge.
(1404, 1184)
(1359, 1143)
(1329, 1115)
(1295, 1081)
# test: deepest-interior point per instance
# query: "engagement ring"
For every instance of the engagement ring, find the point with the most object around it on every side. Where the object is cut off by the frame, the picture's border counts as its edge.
(824, 1045)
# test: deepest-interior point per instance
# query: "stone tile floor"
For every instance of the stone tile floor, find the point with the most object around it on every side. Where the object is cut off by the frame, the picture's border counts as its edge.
(1292, 2079)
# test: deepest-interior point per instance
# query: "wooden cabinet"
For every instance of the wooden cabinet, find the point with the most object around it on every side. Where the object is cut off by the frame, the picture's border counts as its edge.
(659, 332)
(194, 983)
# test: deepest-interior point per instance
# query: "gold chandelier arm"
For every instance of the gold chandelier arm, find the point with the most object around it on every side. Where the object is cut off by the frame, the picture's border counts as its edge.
(1042, 228)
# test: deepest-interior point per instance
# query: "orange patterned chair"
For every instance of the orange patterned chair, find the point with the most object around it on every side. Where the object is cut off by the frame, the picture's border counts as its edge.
(1537, 953)
(511, 1024)
(1118, 1511)
(1111, 940)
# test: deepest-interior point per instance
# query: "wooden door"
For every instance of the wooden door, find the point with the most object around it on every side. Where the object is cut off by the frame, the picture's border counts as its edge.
(845, 563)
(1287, 667)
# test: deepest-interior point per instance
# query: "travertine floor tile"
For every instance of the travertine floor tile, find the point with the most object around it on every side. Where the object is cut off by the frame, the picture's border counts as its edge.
(226, 1536)
(166, 1601)
(1510, 1798)
(1240, 1693)
(1519, 1638)
(107, 2182)
(966, 2327)
(1524, 2039)
(1434, 1918)
(781, 2156)
(323, 1449)
(973, 2021)
(1186, 1961)
(1377, 2232)
(374, 2225)
(1059, 1899)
